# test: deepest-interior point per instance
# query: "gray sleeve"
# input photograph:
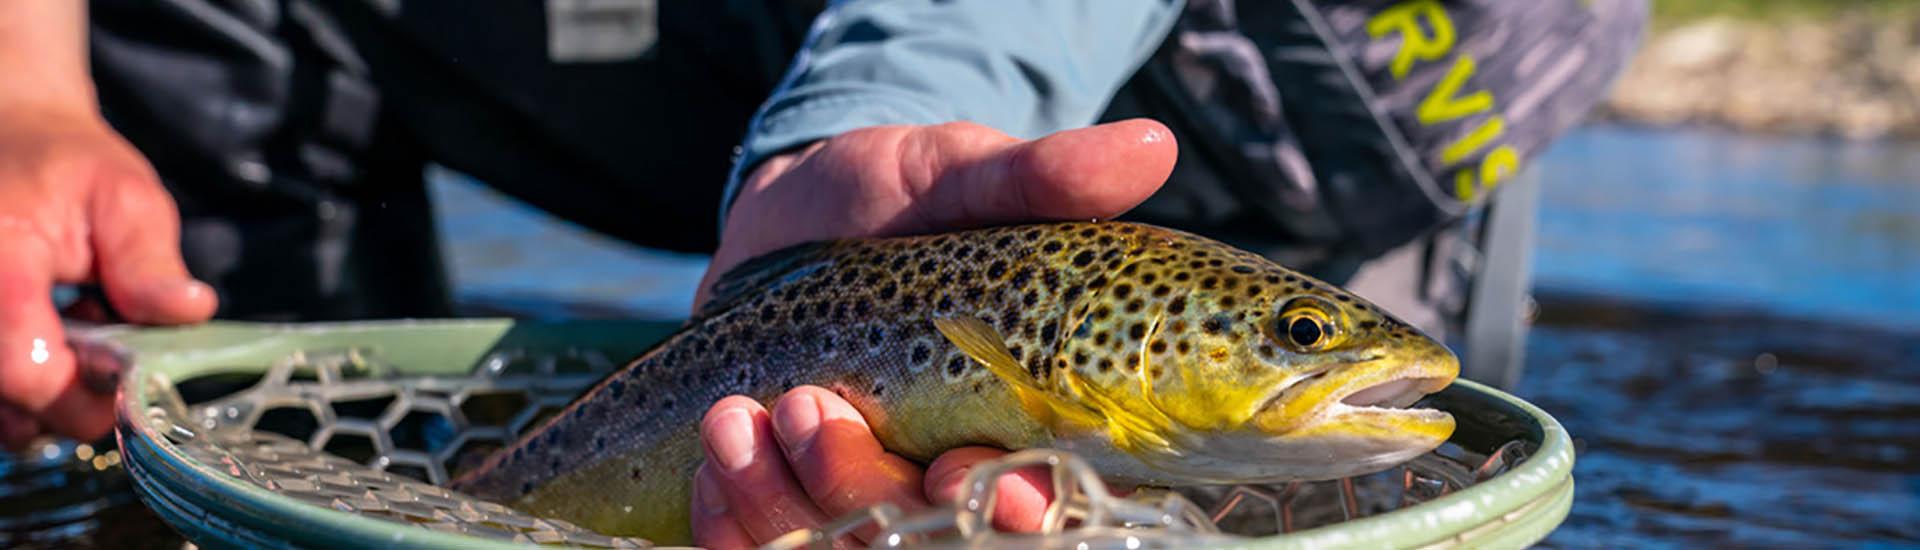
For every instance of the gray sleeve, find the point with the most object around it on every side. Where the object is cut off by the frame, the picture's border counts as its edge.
(1027, 68)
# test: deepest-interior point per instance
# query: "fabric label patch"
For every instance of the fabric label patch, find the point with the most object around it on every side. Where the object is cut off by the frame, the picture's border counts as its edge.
(599, 31)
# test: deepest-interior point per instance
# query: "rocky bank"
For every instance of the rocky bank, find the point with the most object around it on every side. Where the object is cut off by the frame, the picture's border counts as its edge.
(1853, 76)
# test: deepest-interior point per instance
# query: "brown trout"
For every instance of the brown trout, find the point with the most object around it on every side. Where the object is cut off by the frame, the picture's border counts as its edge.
(1162, 357)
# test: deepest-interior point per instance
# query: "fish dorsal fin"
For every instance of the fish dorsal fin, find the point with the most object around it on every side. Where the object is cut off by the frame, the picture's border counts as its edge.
(984, 345)
(759, 272)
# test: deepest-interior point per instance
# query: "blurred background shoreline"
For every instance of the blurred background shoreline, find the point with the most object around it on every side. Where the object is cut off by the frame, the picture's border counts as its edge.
(1848, 68)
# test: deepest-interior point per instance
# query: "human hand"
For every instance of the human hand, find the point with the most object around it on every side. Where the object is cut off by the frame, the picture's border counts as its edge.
(78, 204)
(814, 459)
(895, 180)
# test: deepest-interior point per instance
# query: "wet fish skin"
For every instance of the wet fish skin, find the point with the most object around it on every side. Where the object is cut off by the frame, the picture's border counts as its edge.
(1161, 356)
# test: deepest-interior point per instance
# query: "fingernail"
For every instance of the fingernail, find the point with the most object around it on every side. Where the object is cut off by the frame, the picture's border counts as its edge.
(796, 421)
(955, 479)
(707, 495)
(731, 439)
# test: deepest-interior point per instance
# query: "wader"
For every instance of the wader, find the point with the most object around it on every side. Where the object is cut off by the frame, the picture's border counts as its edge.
(1372, 144)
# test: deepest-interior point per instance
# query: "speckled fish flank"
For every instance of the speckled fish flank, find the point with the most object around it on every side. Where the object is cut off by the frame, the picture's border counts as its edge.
(1162, 357)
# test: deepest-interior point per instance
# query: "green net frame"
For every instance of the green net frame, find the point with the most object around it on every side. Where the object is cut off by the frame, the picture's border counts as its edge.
(340, 434)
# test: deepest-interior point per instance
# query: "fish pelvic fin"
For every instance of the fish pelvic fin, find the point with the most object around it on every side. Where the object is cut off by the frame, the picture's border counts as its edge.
(984, 345)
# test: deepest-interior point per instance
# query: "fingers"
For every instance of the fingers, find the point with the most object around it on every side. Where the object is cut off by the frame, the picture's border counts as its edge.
(1095, 172)
(761, 492)
(1020, 497)
(37, 374)
(713, 526)
(136, 238)
(837, 458)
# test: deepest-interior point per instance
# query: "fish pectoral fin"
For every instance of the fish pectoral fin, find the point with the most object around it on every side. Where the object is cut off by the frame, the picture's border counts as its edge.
(984, 345)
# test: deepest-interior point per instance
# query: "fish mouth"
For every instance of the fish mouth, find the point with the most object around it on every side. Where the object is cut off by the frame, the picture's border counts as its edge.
(1373, 387)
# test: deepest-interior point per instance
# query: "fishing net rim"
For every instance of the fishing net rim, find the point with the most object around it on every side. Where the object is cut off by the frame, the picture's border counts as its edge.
(1520, 505)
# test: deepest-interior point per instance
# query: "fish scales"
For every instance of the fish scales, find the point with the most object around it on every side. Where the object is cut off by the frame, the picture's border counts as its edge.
(1081, 308)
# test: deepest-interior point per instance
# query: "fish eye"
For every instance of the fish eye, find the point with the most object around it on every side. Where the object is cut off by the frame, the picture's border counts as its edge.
(1305, 326)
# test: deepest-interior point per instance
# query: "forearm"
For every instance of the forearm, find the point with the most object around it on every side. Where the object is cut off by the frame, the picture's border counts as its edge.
(1024, 68)
(43, 55)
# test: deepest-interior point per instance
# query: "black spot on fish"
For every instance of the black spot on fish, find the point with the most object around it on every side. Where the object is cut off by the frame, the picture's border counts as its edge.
(1181, 277)
(946, 278)
(1080, 358)
(920, 353)
(861, 307)
(1368, 325)
(767, 313)
(1122, 291)
(1158, 346)
(964, 251)
(1253, 291)
(945, 303)
(879, 389)
(1004, 242)
(599, 443)
(1106, 240)
(1208, 283)
(1049, 333)
(887, 292)
(1137, 331)
(1242, 269)
(1106, 365)
(1083, 258)
(1161, 291)
(1135, 305)
(1097, 282)
(957, 365)
(927, 266)
(615, 387)
(1072, 294)
(1215, 324)
(1031, 299)
(1292, 279)
(1130, 269)
(1227, 302)
(1020, 278)
(973, 294)
(1183, 347)
(1126, 230)
(1266, 350)
(1050, 247)
(1199, 253)
(1342, 297)
(1177, 306)
(997, 269)
(1102, 312)
(1086, 233)
(1100, 338)
(526, 487)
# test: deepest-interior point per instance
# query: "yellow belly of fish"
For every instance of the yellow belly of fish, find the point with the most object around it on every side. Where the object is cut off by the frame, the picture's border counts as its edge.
(918, 421)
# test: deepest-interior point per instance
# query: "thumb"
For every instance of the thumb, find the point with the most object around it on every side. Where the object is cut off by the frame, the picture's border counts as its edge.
(136, 241)
(1095, 172)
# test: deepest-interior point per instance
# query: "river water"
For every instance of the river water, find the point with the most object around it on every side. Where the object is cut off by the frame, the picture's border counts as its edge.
(1729, 327)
